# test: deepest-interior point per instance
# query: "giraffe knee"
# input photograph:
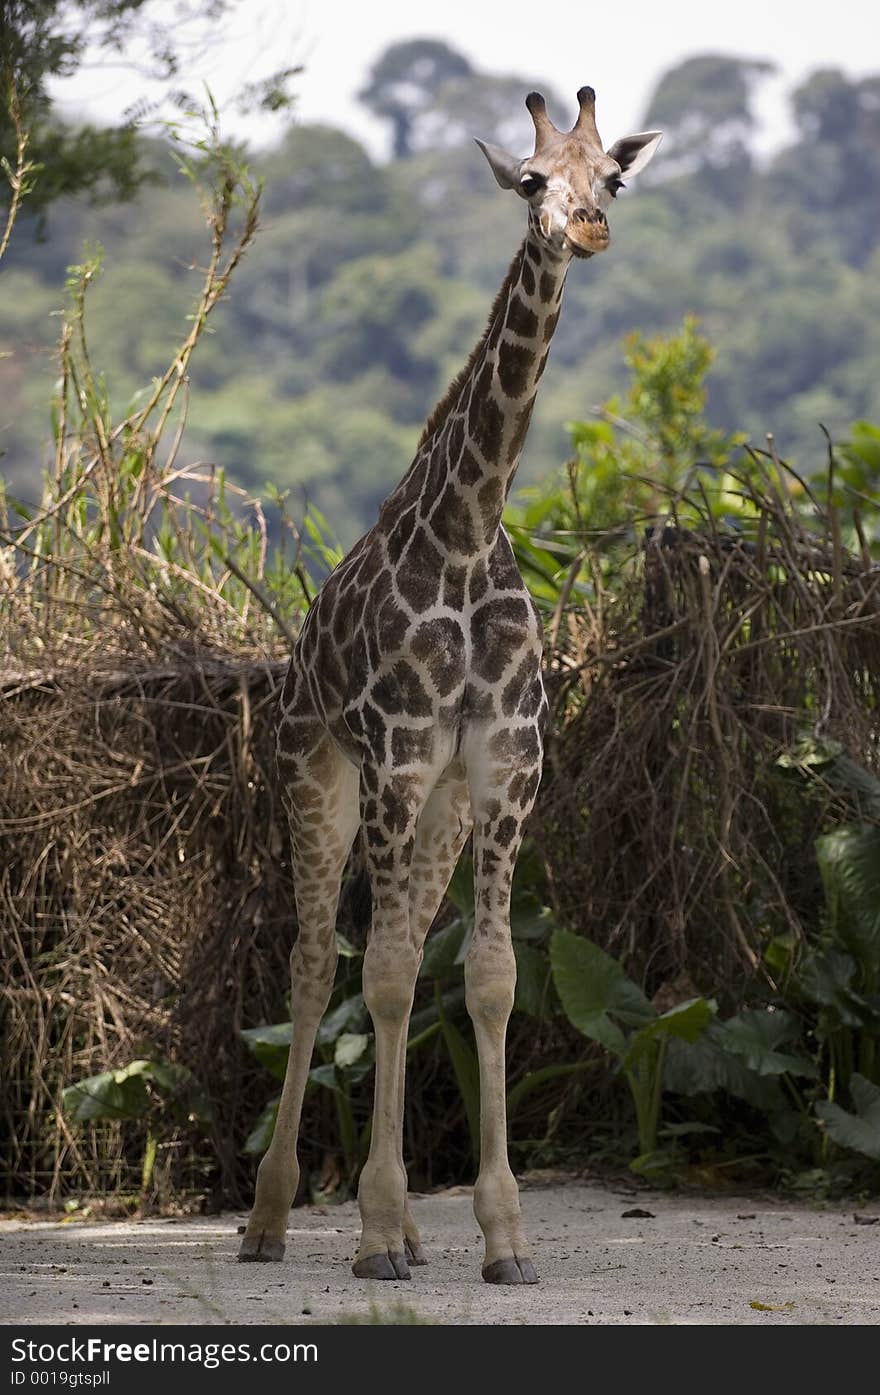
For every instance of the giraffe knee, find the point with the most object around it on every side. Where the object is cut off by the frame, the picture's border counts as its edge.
(312, 972)
(490, 981)
(389, 981)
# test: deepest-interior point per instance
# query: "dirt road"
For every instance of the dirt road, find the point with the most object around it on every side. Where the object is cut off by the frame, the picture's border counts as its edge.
(693, 1260)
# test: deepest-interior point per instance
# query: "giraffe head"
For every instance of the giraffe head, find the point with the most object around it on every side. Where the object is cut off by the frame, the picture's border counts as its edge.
(571, 179)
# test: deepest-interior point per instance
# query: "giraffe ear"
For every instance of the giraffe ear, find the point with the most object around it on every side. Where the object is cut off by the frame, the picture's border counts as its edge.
(632, 153)
(504, 167)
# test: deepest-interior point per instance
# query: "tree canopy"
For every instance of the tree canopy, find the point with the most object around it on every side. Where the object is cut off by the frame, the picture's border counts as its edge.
(45, 39)
(370, 282)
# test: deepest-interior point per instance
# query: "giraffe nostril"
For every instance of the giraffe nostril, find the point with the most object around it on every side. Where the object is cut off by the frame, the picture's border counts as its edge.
(581, 215)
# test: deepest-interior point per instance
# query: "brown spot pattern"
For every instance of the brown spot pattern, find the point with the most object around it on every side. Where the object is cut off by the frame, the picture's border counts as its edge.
(523, 417)
(452, 522)
(514, 362)
(491, 500)
(439, 644)
(418, 577)
(409, 746)
(469, 467)
(479, 582)
(400, 535)
(498, 629)
(402, 690)
(521, 319)
(550, 325)
(518, 684)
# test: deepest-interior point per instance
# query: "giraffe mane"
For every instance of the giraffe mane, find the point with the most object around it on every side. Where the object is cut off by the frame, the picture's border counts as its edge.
(443, 408)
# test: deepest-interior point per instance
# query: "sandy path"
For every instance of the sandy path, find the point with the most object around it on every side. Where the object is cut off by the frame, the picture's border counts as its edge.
(698, 1260)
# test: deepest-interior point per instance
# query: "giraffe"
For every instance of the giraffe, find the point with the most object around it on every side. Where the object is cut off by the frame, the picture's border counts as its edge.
(413, 713)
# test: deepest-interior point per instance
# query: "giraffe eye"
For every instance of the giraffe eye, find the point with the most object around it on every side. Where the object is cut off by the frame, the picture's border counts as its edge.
(613, 185)
(530, 184)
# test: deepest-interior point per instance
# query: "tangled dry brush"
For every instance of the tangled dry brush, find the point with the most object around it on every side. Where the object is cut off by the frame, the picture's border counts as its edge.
(147, 907)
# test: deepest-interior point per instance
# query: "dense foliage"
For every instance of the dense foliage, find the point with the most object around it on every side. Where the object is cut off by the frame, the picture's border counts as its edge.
(42, 41)
(370, 281)
(710, 813)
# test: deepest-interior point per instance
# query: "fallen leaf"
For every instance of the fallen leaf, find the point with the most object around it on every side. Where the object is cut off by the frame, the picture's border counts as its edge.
(770, 1307)
(637, 1214)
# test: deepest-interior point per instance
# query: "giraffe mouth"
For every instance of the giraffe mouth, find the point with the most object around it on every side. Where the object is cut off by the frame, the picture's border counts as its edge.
(587, 242)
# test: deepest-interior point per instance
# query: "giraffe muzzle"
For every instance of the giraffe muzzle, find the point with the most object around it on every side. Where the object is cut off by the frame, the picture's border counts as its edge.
(587, 232)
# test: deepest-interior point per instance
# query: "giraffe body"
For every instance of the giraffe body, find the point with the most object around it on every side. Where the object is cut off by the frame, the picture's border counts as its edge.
(413, 711)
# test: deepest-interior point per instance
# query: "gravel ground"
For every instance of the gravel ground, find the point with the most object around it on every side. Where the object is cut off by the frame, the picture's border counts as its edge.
(705, 1260)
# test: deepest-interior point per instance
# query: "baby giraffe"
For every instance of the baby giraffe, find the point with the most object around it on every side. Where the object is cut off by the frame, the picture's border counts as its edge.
(413, 712)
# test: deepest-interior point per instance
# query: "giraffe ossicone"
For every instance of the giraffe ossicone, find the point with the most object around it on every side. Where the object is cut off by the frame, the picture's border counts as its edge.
(413, 713)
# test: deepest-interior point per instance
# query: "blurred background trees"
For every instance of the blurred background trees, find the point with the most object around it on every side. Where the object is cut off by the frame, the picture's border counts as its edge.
(370, 282)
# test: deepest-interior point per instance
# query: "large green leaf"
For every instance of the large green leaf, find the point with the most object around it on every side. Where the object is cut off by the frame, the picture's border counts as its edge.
(346, 949)
(687, 1021)
(177, 1089)
(114, 1094)
(808, 754)
(260, 1136)
(756, 1034)
(533, 986)
(849, 861)
(467, 1072)
(592, 986)
(133, 1090)
(859, 1131)
(270, 1045)
(705, 1065)
(325, 1075)
(530, 916)
(348, 1016)
(827, 977)
(460, 890)
(443, 950)
(350, 1048)
(847, 774)
(530, 919)
(536, 1078)
(423, 1018)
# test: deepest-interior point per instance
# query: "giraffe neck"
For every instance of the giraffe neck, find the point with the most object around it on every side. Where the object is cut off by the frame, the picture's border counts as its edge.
(476, 446)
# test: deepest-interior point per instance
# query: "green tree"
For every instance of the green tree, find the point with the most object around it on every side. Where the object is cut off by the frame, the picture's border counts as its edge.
(833, 172)
(403, 85)
(630, 468)
(42, 40)
(487, 105)
(705, 107)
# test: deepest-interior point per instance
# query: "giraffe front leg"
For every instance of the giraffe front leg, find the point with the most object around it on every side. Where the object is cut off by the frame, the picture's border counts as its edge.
(391, 805)
(278, 1173)
(322, 801)
(490, 979)
(390, 969)
(443, 829)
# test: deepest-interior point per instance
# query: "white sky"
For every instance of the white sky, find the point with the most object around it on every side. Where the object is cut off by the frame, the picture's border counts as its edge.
(618, 49)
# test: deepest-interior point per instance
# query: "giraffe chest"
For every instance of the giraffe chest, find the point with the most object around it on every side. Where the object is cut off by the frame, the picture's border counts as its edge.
(400, 676)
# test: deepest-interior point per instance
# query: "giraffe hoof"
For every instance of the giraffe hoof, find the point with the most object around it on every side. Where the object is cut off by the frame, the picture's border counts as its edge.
(260, 1249)
(510, 1271)
(385, 1266)
(414, 1252)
